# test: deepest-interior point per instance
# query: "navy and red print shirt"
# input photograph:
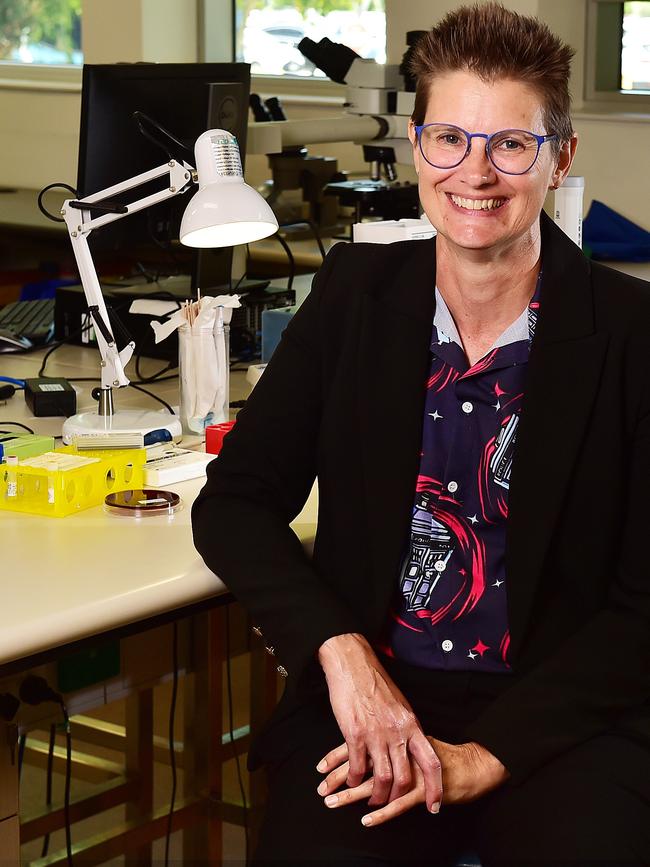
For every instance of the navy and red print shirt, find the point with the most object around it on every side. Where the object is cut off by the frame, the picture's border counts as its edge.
(451, 608)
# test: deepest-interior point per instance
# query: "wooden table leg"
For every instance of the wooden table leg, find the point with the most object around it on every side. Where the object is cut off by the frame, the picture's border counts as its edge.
(139, 762)
(10, 842)
(202, 751)
(9, 827)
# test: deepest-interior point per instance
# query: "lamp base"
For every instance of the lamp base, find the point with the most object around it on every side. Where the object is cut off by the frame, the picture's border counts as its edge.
(125, 421)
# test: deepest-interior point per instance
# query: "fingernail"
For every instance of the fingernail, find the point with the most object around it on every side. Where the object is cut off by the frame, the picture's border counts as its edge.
(366, 820)
(322, 789)
(321, 766)
(435, 808)
(331, 800)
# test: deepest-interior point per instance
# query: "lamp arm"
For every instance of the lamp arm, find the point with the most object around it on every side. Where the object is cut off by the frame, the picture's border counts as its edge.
(80, 224)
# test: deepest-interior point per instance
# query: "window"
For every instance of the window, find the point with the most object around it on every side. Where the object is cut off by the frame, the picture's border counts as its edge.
(635, 53)
(267, 32)
(618, 52)
(40, 31)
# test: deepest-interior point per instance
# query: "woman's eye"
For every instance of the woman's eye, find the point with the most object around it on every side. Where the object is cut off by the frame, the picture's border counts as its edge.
(451, 139)
(510, 144)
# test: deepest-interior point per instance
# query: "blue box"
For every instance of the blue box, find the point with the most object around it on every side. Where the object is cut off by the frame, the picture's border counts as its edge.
(273, 324)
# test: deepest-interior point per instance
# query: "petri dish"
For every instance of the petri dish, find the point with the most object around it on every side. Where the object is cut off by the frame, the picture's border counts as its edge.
(142, 502)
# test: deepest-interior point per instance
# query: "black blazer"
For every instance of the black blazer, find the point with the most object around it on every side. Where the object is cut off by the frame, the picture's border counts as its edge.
(343, 400)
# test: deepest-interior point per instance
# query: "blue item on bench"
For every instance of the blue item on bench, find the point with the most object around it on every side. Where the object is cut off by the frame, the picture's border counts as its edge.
(274, 321)
(609, 235)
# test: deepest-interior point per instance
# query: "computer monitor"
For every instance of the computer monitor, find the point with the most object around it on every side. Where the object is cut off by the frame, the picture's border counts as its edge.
(186, 99)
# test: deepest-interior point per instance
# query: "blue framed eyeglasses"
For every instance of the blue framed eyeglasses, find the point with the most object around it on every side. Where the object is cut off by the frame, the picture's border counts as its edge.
(511, 151)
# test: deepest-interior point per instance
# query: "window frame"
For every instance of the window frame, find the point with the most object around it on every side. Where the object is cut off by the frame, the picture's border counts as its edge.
(633, 101)
(59, 78)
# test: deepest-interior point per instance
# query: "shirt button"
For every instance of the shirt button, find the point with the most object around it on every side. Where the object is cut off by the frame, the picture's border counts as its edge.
(447, 645)
(467, 407)
(440, 565)
(452, 487)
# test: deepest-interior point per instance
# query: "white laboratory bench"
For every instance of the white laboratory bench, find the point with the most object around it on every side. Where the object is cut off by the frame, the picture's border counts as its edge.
(94, 577)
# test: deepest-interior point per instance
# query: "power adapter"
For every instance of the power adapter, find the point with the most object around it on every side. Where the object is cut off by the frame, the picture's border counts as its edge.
(49, 396)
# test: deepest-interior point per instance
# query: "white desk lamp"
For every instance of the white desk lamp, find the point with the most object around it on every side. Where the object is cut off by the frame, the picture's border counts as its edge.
(225, 211)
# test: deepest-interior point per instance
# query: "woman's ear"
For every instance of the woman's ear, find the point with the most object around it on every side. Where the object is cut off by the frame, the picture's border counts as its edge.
(564, 162)
(414, 143)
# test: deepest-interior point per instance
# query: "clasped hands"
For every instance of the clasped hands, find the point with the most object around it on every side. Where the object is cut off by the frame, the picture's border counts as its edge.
(383, 738)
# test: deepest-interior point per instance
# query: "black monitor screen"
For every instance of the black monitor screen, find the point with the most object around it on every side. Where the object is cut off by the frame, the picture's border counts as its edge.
(184, 98)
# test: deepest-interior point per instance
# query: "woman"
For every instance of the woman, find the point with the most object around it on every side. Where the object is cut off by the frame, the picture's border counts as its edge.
(471, 637)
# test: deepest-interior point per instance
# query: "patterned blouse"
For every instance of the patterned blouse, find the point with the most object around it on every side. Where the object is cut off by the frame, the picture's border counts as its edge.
(451, 609)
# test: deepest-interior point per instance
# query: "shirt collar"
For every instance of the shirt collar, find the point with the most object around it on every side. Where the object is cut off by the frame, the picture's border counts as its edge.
(523, 328)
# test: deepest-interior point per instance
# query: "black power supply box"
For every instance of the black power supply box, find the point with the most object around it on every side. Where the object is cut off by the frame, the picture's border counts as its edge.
(71, 312)
(49, 396)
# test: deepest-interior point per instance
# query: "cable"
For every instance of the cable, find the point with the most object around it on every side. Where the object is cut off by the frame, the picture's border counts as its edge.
(131, 385)
(231, 727)
(155, 377)
(172, 750)
(140, 353)
(292, 264)
(314, 231)
(237, 284)
(22, 741)
(140, 116)
(18, 424)
(36, 690)
(43, 209)
(158, 379)
(53, 348)
(68, 782)
(48, 784)
(19, 383)
(84, 326)
(162, 295)
(154, 396)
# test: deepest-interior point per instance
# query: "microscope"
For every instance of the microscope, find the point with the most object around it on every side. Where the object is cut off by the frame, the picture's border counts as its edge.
(293, 168)
(372, 89)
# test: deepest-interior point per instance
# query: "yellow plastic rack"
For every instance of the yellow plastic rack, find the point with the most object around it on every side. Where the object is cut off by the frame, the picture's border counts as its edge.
(66, 481)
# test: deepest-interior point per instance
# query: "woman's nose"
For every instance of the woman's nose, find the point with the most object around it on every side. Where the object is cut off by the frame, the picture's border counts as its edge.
(478, 170)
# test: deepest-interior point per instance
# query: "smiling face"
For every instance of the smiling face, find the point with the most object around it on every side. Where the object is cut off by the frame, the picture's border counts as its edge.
(473, 206)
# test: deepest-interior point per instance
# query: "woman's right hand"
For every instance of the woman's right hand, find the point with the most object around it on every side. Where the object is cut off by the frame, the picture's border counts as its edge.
(381, 731)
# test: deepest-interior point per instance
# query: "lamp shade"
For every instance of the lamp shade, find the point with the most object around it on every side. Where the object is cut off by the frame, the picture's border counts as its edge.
(225, 211)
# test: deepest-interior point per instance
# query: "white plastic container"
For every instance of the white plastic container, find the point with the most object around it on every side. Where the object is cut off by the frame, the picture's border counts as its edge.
(568, 208)
(204, 375)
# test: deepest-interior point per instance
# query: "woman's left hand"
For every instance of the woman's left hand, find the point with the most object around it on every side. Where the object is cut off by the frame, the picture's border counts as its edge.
(468, 772)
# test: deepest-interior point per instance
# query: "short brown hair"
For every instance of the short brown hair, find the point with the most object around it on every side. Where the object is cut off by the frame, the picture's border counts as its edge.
(493, 42)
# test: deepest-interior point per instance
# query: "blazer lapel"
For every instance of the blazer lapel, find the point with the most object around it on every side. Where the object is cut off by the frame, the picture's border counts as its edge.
(563, 373)
(393, 366)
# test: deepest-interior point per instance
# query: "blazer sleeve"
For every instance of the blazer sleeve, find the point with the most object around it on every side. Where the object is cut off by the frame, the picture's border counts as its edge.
(260, 482)
(601, 674)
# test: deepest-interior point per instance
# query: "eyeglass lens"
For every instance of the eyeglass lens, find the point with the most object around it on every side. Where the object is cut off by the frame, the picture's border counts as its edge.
(511, 150)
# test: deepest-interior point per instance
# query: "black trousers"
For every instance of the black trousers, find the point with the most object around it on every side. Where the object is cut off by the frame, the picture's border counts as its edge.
(590, 806)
